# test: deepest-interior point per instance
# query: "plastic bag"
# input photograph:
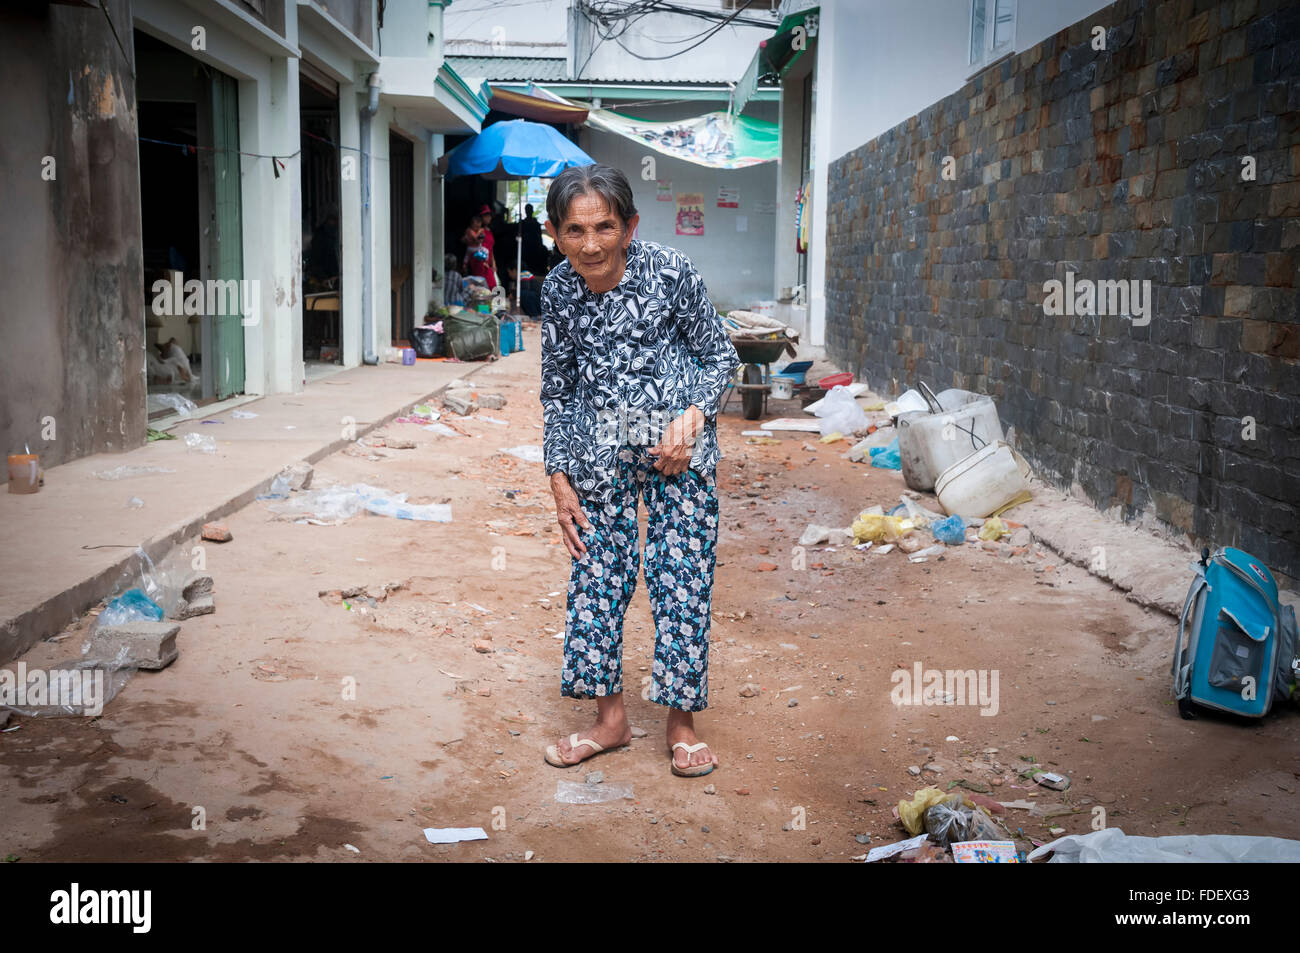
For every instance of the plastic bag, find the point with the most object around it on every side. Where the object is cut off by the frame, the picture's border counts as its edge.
(200, 443)
(840, 412)
(398, 508)
(887, 458)
(951, 530)
(953, 820)
(872, 527)
(530, 453)
(993, 528)
(1112, 846)
(126, 472)
(912, 813)
(573, 792)
(131, 606)
(80, 687)
(177, 403)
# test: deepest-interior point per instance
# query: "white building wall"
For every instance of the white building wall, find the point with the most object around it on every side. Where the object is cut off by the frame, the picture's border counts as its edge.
(881, 62)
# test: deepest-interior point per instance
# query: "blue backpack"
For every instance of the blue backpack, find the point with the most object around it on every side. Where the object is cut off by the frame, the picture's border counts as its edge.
(1236, 648)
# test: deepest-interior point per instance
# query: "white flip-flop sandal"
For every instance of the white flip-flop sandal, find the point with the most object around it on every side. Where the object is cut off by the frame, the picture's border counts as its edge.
(553, 752)
(692, 771)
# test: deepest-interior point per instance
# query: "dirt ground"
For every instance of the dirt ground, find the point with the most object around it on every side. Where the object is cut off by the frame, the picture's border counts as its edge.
(250, 731)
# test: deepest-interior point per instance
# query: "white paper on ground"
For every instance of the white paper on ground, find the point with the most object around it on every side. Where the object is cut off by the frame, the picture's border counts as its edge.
(790, 423)
(889, 850)
(453, 835)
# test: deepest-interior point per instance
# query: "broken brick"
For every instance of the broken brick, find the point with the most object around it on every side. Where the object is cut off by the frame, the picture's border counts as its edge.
(216, 533)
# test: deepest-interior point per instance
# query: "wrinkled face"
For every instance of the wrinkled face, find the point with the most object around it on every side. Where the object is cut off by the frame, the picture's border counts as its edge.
(595, 240)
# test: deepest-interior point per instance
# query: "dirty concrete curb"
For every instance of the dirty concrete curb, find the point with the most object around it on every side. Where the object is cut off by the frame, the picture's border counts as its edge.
(24, 630)
(1151, 570)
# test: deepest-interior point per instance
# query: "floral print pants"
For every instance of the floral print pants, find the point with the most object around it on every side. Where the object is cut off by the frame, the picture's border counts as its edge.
(681, 538)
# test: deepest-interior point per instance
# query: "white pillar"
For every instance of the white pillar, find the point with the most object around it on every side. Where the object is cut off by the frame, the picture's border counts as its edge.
(350, 102)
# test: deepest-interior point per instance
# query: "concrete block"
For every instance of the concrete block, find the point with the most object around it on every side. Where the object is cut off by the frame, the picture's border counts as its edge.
(195, 586)
(199, 605)
(299, 475)
(459, 403)
(149, 645)
(491, 401)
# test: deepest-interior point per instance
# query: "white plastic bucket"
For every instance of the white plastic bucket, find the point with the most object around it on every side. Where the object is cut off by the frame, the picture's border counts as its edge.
(929, 443)
(984, 483)
(782, 388)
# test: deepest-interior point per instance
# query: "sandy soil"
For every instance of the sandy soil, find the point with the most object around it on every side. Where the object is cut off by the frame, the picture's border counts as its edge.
(251, 724)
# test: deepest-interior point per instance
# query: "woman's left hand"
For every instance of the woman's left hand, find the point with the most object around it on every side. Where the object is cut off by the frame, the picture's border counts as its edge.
(678, 441)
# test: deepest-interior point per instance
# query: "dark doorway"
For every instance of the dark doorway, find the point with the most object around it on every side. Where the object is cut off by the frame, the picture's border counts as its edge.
(322, 282)
(401, 209)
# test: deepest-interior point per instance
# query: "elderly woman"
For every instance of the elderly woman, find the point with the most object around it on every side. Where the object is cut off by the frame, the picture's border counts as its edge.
(634, 364)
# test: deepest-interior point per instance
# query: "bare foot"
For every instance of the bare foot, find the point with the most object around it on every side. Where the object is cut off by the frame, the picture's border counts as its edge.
(681, 727)
(613, 732)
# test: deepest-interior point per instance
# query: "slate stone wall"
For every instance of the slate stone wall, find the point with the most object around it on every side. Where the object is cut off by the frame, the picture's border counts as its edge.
(1122, 163)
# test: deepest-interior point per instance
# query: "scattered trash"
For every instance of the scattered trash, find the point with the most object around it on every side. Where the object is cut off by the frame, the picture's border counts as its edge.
(839, 413)
(242, 414)
(889, 850)
(334, 504)
(176, 403)
(298, 475)
(953, 425)
(875, 527)
(985, 852)
(134, 503)
(131, 606)
(1112, 845)
(950, 531)
(441, 429)
(994, 528)
(832, 437)
(907, 402)
(126, 472)
(984, 483)
(791, 423)
(532, 454)
(351, 848)
(453, 835)
(816, 534)
(459, 403)
(200, 443)
(923, 555)
(753, 433)
(886, 457)
(1050, 779)
(952, 820)
(571, 792)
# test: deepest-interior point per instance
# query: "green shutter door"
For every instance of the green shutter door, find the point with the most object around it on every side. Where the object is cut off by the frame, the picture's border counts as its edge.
(228, 369)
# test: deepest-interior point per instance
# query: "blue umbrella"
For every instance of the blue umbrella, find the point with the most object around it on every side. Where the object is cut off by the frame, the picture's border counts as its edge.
(516, 149)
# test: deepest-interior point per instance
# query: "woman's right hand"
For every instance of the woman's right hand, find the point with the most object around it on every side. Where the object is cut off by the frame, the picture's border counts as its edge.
(568, 512)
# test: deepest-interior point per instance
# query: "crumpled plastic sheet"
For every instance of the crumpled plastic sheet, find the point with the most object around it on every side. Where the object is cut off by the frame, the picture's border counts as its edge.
(77, 694)
(840, 412)
(532, 454)
(126, 472)
(333, 504)
(1113, 846)
(178, 403)
(576, 792)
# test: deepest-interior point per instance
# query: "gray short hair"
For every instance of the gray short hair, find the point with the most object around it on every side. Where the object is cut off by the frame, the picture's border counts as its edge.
(603, 180)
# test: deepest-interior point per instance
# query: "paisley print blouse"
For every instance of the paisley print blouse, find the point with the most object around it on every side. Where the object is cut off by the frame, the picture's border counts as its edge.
(618, 367)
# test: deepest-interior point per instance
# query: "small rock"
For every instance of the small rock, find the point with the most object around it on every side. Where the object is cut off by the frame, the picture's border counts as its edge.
(933, 768)
(1051, 703)
(862, 838)
(914, 771)
(710, 789)
(654, 820)
(594, 777)
(814, 635)
(816, 841)
(482, 645)
(395, 444)
(767, 567)
(743, 792)
(216, 533)
(491, 401)
(529, 855)
(750, 690)
(785, 826)
(197, 586)
(792, 703)
(638, 732)
(704, 828)
(459, 403)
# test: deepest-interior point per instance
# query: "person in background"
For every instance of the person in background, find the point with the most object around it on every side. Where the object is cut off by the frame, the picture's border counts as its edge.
(534, 249)
(478, 252)
(452, 292)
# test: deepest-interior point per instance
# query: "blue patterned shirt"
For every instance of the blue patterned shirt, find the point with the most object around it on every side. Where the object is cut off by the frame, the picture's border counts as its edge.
(618, 367)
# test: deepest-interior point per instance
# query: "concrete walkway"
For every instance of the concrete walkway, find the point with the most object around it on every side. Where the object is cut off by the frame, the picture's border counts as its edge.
(50, 574)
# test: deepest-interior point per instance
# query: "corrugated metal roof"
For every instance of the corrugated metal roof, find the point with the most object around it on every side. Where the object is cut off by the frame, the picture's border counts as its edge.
(518, 68)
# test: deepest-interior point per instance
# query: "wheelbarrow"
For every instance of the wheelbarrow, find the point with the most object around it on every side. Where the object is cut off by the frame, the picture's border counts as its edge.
(755, 383)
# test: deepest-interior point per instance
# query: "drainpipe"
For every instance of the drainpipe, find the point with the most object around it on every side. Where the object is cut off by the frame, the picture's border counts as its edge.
(371, 107)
